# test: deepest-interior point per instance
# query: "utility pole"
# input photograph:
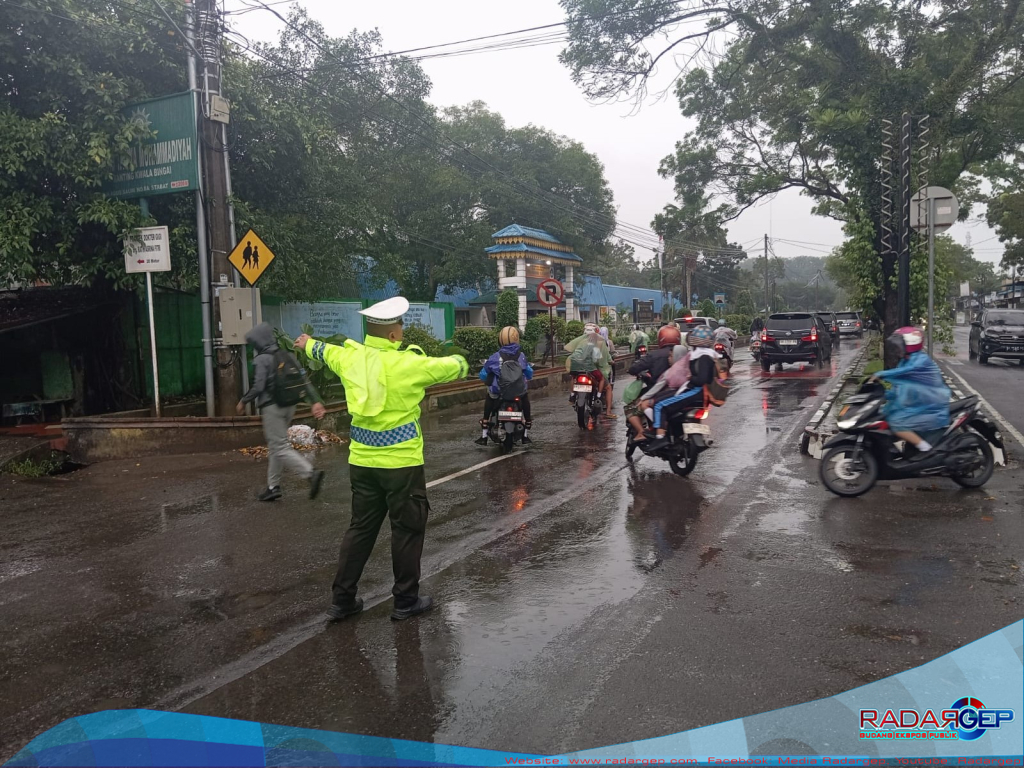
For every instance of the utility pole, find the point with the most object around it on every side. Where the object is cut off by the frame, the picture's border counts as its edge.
(219, 217)
(766, 305)
(203, 255)
(903, 271)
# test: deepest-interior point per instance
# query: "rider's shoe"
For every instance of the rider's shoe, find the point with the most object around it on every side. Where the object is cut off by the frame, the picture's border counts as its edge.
(654, 445)
(481, 441)
(526, 440)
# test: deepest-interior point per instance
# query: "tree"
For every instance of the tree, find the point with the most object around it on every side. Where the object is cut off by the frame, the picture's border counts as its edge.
(507, 310)
(615, 264)
(70, 66)
(796, 97)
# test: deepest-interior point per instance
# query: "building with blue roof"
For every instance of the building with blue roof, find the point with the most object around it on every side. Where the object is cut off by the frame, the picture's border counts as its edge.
(525, 257)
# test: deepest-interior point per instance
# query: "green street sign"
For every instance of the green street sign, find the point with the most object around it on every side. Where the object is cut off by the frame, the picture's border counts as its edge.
(170, 162)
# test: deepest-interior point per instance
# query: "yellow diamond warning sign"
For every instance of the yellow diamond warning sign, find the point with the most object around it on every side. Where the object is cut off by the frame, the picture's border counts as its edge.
(251, 257)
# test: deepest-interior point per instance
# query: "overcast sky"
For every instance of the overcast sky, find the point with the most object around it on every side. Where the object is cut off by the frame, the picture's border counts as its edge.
(531, 86)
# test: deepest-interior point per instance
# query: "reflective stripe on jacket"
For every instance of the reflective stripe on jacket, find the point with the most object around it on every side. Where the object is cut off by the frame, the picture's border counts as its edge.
(385, 425)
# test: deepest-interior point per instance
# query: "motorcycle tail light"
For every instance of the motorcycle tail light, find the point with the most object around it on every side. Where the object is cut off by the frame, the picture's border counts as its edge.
(701, 414)
(582, 379)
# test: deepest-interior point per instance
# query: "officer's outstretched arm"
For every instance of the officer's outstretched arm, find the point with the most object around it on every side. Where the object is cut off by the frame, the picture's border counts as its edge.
(437, 370)
(333, 356)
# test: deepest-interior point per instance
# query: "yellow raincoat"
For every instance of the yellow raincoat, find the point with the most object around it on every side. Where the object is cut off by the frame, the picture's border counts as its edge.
(383, 391)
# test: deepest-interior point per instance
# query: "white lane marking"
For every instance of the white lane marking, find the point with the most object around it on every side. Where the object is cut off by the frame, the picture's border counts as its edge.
(467, 470)
(988, 406)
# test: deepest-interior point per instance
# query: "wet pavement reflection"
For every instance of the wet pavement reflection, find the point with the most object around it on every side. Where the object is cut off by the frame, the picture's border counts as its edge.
(582, 600)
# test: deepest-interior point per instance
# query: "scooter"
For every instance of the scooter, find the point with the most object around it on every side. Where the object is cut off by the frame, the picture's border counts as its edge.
(755, 347)
(641, 350)
(726, 352)
(688, 438)
(585, 400)
(507, 424)
(866, 450)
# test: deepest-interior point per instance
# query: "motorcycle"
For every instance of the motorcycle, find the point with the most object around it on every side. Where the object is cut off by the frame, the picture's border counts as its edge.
(726, 352)
(755, 347)
(585, 400)
(866, 450)
(688, 437)
(641, 350)
(507, 424)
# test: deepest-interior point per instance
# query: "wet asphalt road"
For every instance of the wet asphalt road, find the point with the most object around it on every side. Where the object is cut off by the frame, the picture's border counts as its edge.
(1001, 382)
(582, 601)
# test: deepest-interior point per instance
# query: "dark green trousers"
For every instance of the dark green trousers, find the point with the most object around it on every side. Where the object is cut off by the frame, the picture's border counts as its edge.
(401, 495)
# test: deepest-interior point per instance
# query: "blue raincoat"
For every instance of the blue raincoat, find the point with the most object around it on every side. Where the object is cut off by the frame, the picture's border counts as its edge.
(919, 399)
(489, 373)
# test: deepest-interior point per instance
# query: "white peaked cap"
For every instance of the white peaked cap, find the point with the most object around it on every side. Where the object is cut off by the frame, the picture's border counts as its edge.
(387, 311)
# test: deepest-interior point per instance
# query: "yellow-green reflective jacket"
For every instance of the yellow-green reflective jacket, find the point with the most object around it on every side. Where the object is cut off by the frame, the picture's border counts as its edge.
(383, 391)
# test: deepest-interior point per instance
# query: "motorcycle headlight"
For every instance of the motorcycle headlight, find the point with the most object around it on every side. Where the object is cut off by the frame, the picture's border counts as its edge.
(846, 424)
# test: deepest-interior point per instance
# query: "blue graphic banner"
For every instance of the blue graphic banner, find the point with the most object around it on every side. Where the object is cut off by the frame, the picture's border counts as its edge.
(963, 709)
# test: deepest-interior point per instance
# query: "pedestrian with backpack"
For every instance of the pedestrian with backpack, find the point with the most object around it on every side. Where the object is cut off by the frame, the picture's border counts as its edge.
(278, 386)
(505, 373)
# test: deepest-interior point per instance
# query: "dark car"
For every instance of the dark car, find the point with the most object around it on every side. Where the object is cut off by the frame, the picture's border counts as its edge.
(795, 337)
(832, 323)
(850, 323)
(999, 333)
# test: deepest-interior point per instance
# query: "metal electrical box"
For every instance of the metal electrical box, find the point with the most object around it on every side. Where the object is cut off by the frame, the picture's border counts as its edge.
(236, 313)
(220, 109)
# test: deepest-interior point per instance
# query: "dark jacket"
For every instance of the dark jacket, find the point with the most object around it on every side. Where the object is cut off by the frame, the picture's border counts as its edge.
(703, 370)
(262, 340)
(655, 362)
(489, 373)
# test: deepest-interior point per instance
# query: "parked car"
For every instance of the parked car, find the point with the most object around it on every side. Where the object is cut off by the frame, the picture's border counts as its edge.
(850, 323)
(832, 323)
(795, 337)
(999, 333)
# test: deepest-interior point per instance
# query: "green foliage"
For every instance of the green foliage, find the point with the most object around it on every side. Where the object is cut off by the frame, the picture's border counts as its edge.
(620, 341)
(707, 308)
(573, 329)
(507, 310)
(537, 329)
(794, 97)
(739, 323)
(424, 339)
(322, 162)
(35, 467)
(478, 343)
(320, 376)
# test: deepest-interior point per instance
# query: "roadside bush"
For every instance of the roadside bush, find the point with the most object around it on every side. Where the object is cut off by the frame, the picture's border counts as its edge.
(478, 343)
(620, 341)
(422, 338)
(507, 310)
(537, 329)
(739, 323)
(573, 329)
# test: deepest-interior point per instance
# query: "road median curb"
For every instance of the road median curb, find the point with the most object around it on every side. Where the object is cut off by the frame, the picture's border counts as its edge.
(813, 436)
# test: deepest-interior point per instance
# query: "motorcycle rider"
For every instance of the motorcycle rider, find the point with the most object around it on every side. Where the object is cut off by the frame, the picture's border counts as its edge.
(727, 336)
(637, 338)
(598, 367)
(918, 399)
(508, 337)
(651, 367)
(703, 370)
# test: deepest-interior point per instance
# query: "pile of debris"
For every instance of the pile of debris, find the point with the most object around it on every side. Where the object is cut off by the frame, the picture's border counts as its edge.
(301, 437)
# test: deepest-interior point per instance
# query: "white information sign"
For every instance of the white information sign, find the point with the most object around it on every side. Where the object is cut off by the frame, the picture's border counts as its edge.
(148, 250)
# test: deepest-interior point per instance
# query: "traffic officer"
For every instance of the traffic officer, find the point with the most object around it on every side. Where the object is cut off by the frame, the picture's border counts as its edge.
(383, 390)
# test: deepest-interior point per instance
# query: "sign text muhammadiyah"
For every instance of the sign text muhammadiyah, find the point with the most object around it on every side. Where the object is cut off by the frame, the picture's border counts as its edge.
(167, 163)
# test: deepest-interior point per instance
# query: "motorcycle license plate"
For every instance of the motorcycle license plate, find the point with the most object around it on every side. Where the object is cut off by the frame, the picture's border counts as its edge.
(696, 429)
(510, 415)
(582, 388)
(788, 343)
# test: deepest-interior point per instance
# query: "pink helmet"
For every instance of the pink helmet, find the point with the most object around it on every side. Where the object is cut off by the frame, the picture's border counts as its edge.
(908, 339)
